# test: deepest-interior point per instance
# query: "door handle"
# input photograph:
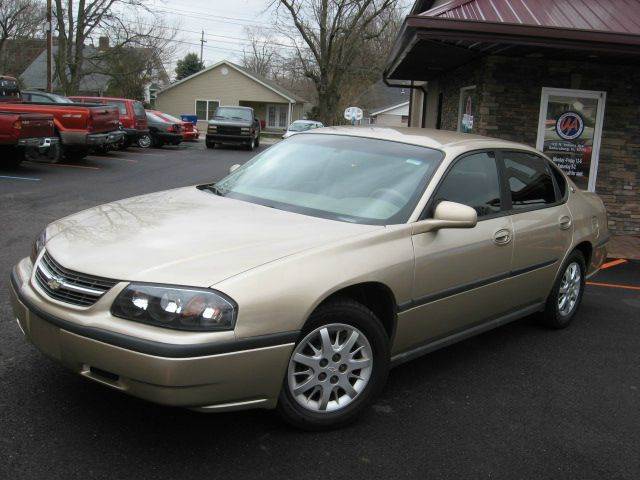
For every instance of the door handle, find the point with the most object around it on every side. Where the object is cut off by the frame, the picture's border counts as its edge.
(502, 237)
(565, 222)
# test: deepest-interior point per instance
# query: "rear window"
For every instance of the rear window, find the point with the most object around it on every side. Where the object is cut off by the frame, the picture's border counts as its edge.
(138, 109)
(529, 180)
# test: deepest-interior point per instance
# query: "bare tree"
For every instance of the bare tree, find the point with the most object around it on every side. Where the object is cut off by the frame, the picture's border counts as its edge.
(75, 24)
(142, 50)
(261, 54)
(329, 36)
(19, 18)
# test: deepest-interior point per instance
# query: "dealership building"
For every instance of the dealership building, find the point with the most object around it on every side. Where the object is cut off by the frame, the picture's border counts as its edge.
(563, 76)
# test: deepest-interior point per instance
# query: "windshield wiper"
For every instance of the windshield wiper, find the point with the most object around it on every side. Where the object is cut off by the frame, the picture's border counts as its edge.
(213, 188)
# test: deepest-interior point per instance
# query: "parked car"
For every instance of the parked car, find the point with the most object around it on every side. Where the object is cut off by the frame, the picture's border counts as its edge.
(234, 126)
(190, 132)
(299, 279)
(78, 128)
(301, 126)
(132, 116)
(22, 131)
(161, 131)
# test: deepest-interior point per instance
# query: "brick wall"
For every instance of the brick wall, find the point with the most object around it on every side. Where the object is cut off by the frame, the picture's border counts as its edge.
(509, 93)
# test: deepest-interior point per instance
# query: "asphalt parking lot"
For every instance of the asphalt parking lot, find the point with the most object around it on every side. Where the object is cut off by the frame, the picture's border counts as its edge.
(517, 402)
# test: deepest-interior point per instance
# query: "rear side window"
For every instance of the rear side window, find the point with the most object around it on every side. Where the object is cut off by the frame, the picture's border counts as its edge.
(529, 180)
(138, 109)
(473, 181)
(122, 106)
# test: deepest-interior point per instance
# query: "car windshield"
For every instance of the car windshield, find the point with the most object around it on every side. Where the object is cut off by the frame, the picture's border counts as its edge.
(230, 113)
(59, 98)
(300, 126)
(346, 178)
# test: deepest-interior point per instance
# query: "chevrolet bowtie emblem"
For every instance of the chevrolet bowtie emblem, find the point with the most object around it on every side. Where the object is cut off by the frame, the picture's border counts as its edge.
(54, 283)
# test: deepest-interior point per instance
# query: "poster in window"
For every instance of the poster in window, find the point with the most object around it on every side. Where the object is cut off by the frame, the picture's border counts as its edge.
(568, 135)
(467, 110)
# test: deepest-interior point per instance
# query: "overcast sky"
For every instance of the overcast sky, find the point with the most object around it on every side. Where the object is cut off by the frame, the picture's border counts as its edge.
(222, 20)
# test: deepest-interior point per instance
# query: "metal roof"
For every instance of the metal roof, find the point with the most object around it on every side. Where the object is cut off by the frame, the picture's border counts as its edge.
(622, 16)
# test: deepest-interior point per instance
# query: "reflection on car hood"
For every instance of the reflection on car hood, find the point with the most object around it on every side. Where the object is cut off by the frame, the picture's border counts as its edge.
(185, 236)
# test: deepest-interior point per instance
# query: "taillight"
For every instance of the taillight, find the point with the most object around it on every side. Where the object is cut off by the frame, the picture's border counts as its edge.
(17, 125)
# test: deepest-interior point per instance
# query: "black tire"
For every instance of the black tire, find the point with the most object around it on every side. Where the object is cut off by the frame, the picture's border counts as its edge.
(258, 141)
(144, 141)
(552, 316)
(251, 145)
(349, 312)
(156, 142)
(53, 154)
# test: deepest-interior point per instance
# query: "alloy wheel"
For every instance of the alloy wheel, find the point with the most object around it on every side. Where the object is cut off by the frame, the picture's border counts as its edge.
(569, 289)
(330, 367)
(144, 141)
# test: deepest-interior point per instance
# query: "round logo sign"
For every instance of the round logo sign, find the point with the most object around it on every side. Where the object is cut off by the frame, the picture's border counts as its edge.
(569, 125)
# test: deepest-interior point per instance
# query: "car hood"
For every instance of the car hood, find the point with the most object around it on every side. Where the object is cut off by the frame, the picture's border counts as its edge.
(185, 236)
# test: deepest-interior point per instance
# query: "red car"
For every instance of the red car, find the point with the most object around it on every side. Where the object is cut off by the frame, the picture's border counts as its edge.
(189, 131)
(132, 115)
(78, 128)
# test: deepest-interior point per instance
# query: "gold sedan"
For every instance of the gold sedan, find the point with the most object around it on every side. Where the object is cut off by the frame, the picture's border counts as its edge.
(298, 280)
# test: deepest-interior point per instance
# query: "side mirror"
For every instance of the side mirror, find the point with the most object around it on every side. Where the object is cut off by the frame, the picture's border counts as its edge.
(234, 167)
(448, 215)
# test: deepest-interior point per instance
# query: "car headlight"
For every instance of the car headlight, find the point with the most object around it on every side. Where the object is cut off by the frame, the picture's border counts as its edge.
(38, 245)
(179, 308)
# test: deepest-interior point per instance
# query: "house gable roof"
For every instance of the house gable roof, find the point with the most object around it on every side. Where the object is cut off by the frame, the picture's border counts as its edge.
(274, 87)
(391, 109)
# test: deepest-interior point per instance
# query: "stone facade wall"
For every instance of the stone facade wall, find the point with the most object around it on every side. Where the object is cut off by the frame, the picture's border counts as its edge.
(509, 92)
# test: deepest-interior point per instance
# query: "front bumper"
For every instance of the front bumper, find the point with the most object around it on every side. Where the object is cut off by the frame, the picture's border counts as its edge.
(232, 139)
(231, 376)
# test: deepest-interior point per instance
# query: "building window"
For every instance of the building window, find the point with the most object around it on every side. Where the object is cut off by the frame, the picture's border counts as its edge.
(205, 109)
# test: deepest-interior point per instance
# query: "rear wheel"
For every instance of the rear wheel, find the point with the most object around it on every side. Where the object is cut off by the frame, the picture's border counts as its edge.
(52, 154)
(566, 295)
(336, 369)
(209, 144)
(144, 141)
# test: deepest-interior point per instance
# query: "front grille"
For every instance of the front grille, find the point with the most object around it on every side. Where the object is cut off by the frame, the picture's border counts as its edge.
(69, 286)
(224, 130)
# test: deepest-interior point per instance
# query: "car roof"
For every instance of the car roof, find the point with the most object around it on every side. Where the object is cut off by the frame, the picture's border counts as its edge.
(104, 98)
(424, 137)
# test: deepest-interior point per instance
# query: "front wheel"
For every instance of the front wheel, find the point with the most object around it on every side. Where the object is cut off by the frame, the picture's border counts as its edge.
(252, 144)
(566, 295)
(336, 369)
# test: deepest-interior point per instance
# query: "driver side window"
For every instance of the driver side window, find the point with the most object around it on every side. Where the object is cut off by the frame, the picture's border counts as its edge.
(473, 181)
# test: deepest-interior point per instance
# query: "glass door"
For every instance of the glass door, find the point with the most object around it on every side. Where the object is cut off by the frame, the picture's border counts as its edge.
(570, 131)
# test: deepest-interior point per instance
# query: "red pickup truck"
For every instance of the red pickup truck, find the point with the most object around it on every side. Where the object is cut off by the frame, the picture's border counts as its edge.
(132, 116)
(22, 131)
(78, 127)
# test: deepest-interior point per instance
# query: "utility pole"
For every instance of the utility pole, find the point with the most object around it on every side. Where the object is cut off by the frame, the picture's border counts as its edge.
(49, 47)
(202, 42)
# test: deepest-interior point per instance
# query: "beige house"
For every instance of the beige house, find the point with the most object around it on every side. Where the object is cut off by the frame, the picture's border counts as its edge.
(392, 116)
(226, 83)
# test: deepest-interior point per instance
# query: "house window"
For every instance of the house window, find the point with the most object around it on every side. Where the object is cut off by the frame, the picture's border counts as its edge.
(277, 116)
(205, 109)
(467, 109)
